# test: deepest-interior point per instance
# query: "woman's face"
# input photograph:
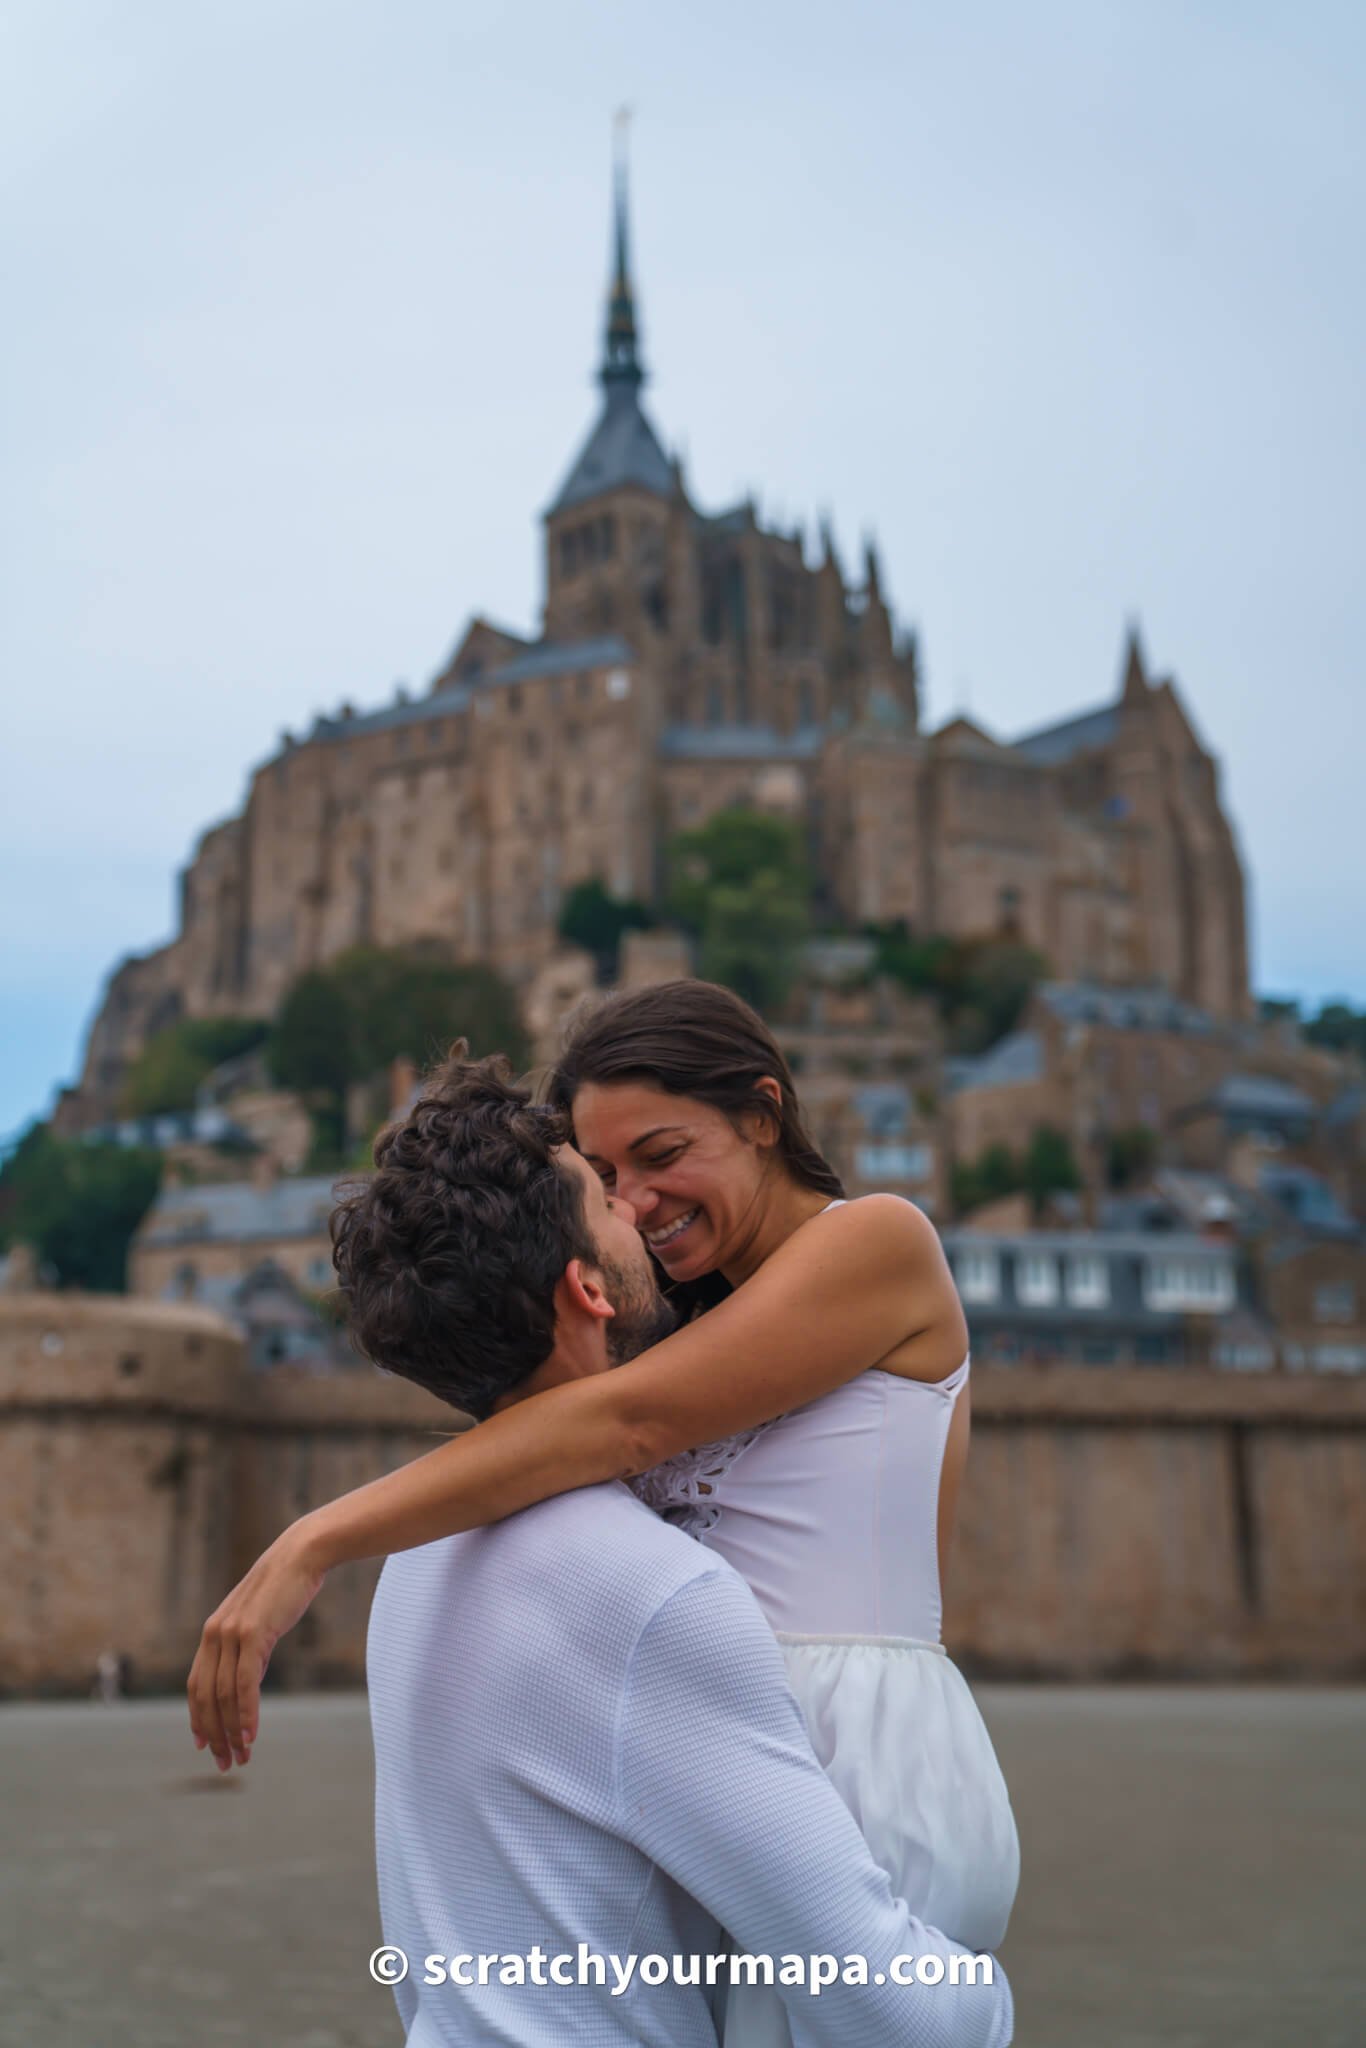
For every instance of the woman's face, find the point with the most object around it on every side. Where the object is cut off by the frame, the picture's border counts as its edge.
(692, 1179)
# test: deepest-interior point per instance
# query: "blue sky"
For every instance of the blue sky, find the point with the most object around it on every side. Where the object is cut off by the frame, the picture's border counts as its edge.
(1064, 302)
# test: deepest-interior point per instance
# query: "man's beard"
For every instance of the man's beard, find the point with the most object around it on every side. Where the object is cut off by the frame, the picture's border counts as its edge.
(643, 1317)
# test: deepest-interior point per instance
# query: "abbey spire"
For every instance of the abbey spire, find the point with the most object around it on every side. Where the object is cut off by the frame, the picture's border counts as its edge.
(621, 363)
(623, 447)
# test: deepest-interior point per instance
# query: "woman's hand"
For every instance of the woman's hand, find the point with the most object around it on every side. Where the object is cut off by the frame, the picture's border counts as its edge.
(224, 1685)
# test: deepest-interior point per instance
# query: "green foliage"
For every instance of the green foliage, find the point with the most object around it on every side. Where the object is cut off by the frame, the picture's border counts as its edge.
(1130, 1155)
(1340, 1028)
(751, 939)
(346, 1022)
(590, 918)
(732, 850)
(741, 886)
(77, 1205)
(980, 985)
(995, 1173)
(168, 1071)
(1046, 1168)
(1049, 1167)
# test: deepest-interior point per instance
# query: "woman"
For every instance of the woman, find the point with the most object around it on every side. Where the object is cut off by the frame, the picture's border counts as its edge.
(826, 1385)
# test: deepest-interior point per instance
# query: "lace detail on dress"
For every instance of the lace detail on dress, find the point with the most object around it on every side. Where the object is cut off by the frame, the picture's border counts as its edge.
(683, 1489)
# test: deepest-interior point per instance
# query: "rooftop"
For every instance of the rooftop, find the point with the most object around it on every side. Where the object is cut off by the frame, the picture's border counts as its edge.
(1053, 743)
(235, 1212)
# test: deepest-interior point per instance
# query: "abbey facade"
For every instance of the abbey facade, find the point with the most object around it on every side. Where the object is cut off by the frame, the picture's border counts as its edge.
(690, 661)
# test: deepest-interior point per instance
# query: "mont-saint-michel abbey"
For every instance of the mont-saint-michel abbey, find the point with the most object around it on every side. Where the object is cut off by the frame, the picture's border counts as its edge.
(689, 661)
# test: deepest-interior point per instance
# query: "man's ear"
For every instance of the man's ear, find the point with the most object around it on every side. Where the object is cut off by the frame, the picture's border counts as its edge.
(583, 1293)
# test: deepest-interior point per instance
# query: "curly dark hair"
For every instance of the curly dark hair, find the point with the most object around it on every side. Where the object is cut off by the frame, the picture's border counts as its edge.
(449, 1254)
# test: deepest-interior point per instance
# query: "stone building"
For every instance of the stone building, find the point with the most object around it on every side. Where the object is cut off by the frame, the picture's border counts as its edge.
(199, 1241)
(689, 660)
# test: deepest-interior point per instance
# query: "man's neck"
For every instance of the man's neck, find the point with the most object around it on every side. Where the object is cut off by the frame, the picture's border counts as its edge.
(572, 1359)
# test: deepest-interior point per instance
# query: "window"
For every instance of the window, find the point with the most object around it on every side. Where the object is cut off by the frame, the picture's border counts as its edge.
(1201, 1286)
(583, 688)
(434, 733)
(716, 709)
(320, 1272)
(1335, 1302)
(1339, 1357)
(514, 699)
(1088, 1282)
(1036, 1279)
(893, 1162)
(978, 1275)
(618, 685)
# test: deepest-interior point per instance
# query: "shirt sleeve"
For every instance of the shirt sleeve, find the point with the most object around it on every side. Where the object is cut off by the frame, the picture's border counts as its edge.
(719, 1786)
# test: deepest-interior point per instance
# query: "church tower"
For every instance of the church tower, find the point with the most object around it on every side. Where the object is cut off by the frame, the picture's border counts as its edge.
(607, 529)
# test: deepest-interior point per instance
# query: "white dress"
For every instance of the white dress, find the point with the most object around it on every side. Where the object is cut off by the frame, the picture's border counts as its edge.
(831, 1514)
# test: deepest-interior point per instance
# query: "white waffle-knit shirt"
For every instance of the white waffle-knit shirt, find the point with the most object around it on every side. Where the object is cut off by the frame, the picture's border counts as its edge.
(584, 1734)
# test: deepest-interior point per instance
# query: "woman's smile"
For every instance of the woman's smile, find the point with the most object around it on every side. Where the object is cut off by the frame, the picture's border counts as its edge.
(664, 1235)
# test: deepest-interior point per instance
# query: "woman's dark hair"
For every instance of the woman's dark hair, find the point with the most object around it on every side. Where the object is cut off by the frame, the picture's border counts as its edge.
(697, 1039)
(449, 1254)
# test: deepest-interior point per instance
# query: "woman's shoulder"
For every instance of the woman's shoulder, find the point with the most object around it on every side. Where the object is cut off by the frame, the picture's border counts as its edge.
(882, 1225)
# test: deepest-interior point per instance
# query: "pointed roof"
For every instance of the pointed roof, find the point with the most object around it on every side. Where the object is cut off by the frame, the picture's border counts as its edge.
(1134, 682)
(623, 447)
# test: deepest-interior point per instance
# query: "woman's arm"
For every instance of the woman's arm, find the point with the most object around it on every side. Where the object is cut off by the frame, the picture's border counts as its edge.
(842, 1292)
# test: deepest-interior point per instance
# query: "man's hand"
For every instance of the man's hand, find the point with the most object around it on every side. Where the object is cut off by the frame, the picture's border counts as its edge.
(224, 1687)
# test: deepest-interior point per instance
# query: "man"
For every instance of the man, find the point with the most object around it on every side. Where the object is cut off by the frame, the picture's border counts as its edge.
(586, 1750)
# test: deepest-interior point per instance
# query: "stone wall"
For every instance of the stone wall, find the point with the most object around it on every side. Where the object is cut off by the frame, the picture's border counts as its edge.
(142, 1467)
(1113, 1523)
(1181, 1522)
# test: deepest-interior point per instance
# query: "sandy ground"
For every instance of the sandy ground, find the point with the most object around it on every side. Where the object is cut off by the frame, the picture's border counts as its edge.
(1193, 1874)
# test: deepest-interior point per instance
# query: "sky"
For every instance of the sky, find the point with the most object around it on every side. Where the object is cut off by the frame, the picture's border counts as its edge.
(1064, 303)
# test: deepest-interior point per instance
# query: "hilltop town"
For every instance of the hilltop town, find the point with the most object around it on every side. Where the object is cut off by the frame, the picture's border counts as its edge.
(1010, 975)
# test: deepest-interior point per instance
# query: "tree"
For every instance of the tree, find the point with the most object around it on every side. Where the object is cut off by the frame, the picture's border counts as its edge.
(1339, 1027)
(590, 918)
(981, 986)
(169, 1071)
(1130, 1155)
(348, 1021)
(77, 1205)
(1049, 1167)
(741, 885)
(751, 939)
(995, 1173)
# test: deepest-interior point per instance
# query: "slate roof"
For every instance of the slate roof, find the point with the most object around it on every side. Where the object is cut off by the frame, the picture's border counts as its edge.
(550, 658)
(1052, 743)
(1126, 1009)
(1310, 1199)
(1016, 1058)
(236, 1212)
(623, 448)
(1260, 1095)
(740, 743)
